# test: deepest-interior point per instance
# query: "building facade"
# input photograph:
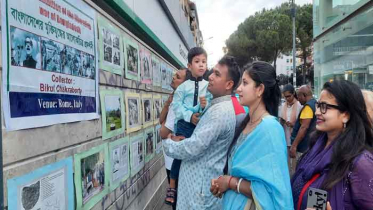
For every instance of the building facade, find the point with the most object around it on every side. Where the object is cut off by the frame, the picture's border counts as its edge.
(343, 42)
(284, 64)
(113, 51)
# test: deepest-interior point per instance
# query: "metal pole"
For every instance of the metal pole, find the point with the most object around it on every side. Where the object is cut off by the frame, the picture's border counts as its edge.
(294, 50)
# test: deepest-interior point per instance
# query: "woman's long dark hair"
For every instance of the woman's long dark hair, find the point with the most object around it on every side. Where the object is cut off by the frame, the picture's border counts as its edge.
(262, 73)
(357, 136)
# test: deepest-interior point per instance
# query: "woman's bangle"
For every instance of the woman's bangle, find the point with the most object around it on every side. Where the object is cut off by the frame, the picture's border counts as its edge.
(229, 182)
(238, 185)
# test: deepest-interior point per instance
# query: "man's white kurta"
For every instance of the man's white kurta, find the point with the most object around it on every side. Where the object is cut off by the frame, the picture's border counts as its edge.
(203, 155)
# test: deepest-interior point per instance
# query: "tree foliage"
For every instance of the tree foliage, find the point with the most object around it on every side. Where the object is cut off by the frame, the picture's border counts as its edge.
(268, 34)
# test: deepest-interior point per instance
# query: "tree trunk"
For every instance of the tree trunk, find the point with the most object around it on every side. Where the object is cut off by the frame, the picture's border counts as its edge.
(274, 62)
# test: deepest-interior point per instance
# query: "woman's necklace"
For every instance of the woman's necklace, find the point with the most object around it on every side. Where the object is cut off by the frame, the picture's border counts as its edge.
(252, 122)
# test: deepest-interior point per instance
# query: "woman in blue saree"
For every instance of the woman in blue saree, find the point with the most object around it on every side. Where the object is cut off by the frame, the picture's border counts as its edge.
(257, 175)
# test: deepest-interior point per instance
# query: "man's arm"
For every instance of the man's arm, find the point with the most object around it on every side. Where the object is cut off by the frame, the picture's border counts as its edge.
(164, 131)
(305, 119)
(168, 126)
(206, 133)
(302, 131)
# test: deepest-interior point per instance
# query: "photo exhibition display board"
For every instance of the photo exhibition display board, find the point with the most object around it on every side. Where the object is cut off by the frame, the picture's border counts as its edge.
(49, 70)
(48, 187)
(91, 176)
(110, 45)
(112, 112)
(82, 97)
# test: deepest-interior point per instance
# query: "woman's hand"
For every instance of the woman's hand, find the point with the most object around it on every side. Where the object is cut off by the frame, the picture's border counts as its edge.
(289, 124)
(222, 183)
(214, 188)
(219, 186)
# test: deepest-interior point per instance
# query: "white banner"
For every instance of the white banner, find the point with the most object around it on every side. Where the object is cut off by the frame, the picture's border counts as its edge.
(50, 72)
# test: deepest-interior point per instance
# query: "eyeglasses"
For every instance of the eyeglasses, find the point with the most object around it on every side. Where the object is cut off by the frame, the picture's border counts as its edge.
(324, 107)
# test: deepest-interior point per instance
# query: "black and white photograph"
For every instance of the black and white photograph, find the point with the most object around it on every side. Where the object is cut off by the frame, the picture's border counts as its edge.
(30, 195)
(71, 60)
(132, 58)
(120, 160)
(137, 153)
(111, 48)
(140, 152)
(115, 41)
(38, 194)
(146, 66)
(132, 61)
(89, 66)
(147, 112)
(158, 139)
(116, 58)
(133, 107)
(156, 68)
(146, 73)
(157, 102)
(25, 49)
(133, 112)
(149, 144)
(147, 106)
(107, 36)
(164, 75)
(51, 55)
(108, 53)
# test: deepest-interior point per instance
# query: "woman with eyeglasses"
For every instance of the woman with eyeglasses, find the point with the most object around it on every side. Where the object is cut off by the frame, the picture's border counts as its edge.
(340, 159)
(289, 113)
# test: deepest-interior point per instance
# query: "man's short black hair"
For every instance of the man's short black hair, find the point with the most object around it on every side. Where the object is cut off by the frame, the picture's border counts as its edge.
(234, 71)
(194, 52)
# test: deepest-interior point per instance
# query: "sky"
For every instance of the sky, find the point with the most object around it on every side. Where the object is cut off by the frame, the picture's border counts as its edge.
(218, 19)
(112, 103)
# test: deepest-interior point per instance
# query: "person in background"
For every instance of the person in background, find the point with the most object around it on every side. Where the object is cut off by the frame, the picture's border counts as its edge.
(288, 115)
(167, 121)
(340, 159)
(304, 125)
(257, 172)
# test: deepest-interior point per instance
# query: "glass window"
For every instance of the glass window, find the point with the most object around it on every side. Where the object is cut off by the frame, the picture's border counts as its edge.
(327, 13)
(287, 60)
(346, 52)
